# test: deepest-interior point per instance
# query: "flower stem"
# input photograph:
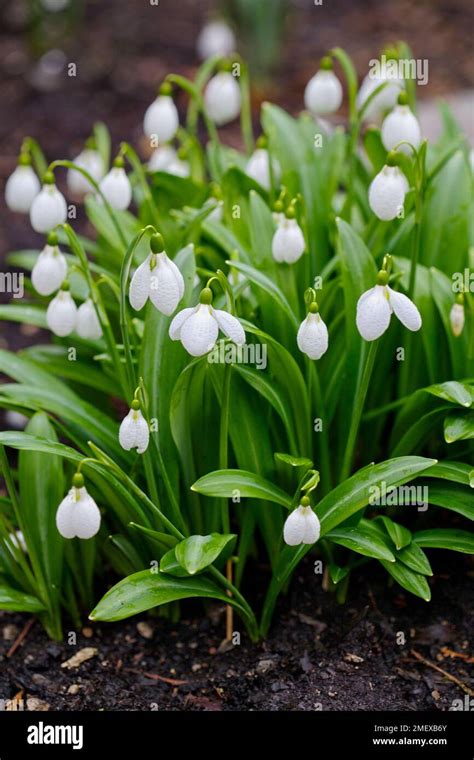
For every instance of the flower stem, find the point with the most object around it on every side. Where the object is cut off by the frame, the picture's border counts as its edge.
(361, 393)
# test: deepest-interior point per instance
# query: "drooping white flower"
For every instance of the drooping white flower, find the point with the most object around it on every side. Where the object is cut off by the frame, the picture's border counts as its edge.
(161, 120)
(179, 167)
(401, 125)
(288, 242)
(116, 186)
(215, 38)
(457, 318)
(302, 526)
(78, 515)
(157, 279)
(387, 192)
(134, 432)
(61, 314)
(22, 186)
(386, 98)
(312, 337)
(49, 207)
(375, 307)
(87, 322)
(161, 158)
(222, 98)
(323, 93)
(91, 161)
(258, 168)
(198, 326)
(50, 269)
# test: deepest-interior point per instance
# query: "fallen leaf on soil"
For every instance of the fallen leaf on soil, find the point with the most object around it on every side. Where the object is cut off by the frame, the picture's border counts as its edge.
(81, 656)
(447, 652)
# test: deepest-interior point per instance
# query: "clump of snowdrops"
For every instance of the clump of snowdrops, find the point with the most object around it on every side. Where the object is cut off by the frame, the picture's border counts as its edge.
(257, 355)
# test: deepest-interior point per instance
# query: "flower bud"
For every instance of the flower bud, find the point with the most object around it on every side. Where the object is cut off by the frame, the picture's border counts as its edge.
(222, 98)
(49, 271)
(61, 314)
(161, 119)
(323, 93)
(48, 208)
(116, 187)
(87, 322)
(78, 515)
(22, 186)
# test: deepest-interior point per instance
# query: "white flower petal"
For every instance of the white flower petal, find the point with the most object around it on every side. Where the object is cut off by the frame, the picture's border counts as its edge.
(161, 119)
(386, 98)
(48, 209)
(161, 158)
(222, 98)
(64, 521)
(323, 93)
(166, 285)
(199, 332)
(312, 527)
(49, 271)
(87, 322)
(457, 319)
(134, 432)
(86, 516)
(405, 310)
(230, 326)
(117, 188)
(140, 285)
(387, 193)
(301, 527)
(179, 320)
(91, 161)
(21, 188)
(312, 337)
(215, 38)
(401, 124)
(288, 242)
(258, 168)
(61, 314)
(373, 313)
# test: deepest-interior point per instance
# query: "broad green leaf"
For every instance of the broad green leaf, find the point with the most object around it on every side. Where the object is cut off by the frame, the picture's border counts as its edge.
(446, 538)
(196, 553)
(411, 581)
(459, 427)
(260, 280)
(457, 472)
(17, 601)
(458, 393)
(400, 535)
(338, 573)
(227, 483)
(415, 558)
(361, 541)
(293, 461)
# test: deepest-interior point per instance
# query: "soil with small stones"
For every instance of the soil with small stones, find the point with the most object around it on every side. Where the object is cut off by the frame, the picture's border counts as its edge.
(319, 655)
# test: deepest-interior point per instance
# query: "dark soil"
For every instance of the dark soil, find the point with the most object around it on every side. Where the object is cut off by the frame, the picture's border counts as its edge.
(319, 655)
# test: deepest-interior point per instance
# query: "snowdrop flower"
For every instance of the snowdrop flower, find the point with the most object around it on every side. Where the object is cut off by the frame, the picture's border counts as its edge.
(61, 314)
(179, 168)
(161, 119)
(49, 207)
(215, 38)
(161, 158)
(50, 268)
(198, 327)
(401, 125)
(258, 166)
(134, 432)
(157, 279)
(222, 98)
(312, 337)
(87, 322)
(375, 307)
(456, 315)
(386, 98)
(288, 242)
(323, 93)
(78, 515)
(116, 186)
(387, 190)
(22, 186)
(302, 525)
(91, 161)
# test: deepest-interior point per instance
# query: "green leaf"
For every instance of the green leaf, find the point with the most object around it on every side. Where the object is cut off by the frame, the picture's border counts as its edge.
(196, 553)
(459, 427)
(400, 535)
(17, 601)
(338, 573)
(457, 472)
(361, 541)
(446, 538)
(294, 461)
(414, 557)
(225, 484)
(265, 283)
(413, 582)
(458, 393)
(146, 589)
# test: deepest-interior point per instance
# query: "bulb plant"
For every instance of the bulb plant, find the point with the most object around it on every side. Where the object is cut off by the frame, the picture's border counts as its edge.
(186, 457)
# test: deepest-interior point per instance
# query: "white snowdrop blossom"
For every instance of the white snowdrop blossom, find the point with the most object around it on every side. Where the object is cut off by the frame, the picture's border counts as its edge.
(49, 207)
(157, 279)
(198, 326)
(116, 186)
(375, 307)
(302, 526)
(134, 432)
(312, 337)
(161, 158)
(222, 98)
(61, 314)
(91, 161)
(87, 322)
(78, 515)
(50, 269)
(457, 318)
(258, 168)
(215, 38)
(386, 98)
(288, 242)
(22, 187)
(161, 117)
(387, 193)
(323, 93)
(401, 125)
(179, 167)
